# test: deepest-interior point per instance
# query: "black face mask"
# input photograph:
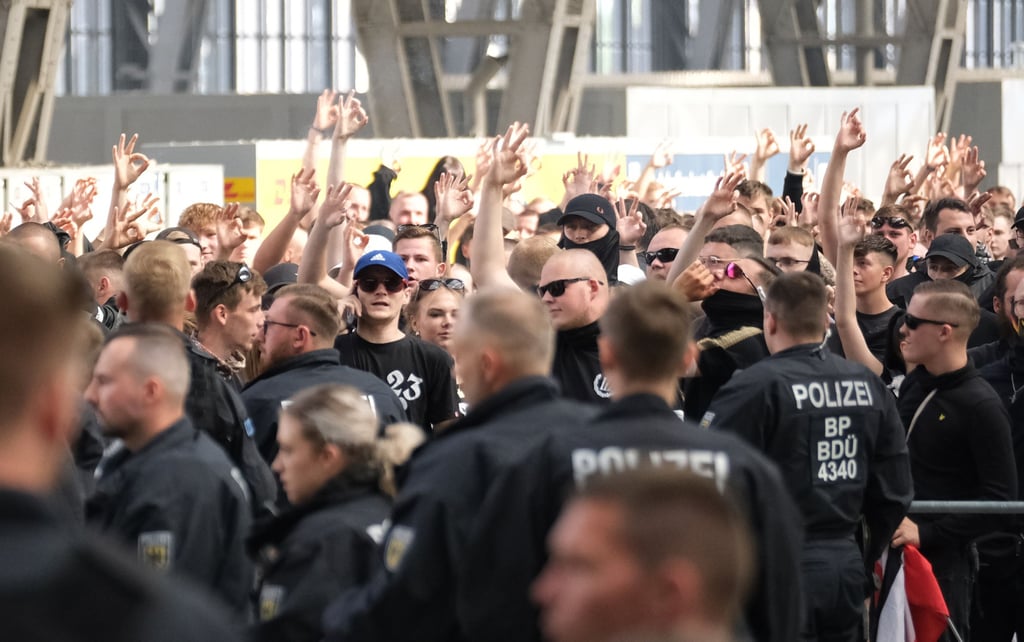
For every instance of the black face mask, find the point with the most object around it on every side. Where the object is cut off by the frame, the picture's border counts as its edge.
(606, 249)
(734, 307)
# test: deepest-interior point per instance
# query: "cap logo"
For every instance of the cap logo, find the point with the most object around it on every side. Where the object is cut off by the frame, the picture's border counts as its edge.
(600, 210)
(378, 257)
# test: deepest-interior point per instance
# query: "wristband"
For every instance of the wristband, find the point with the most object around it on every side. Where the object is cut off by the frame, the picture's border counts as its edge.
(627, 248)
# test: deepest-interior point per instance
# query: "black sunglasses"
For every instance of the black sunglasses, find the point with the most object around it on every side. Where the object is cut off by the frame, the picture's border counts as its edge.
(244, 275)
(665, 255)
(557, 287)
(914, 323)
(892, 221)
(785, 261)
(429, 285)
(392, 284)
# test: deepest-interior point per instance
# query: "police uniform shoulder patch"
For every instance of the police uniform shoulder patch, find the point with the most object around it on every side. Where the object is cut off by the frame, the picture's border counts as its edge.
(399, 539)
(705, 421)
(156, 549)
(271, 596)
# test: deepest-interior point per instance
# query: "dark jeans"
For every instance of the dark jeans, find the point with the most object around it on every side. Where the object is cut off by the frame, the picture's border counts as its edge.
(833, 581)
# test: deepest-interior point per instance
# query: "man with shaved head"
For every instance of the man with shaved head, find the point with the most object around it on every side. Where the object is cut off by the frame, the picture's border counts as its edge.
(37, 239)
(503, 346)
(574, 288)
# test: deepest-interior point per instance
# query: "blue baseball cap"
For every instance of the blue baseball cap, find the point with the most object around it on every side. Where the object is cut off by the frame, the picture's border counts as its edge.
(384, 259)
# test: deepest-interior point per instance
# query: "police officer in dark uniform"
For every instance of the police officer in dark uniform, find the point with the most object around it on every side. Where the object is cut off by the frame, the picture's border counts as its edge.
(332, 471)
(57, 582)
(503, 347)
(835, 433)
(644, 349)
(157, 290)
(304, 358)
(169, 492)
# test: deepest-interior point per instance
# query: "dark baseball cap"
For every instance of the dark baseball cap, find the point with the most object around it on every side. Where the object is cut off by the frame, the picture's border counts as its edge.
(953, 247)
(179, 235)
(592, 207)
(276, 278)
(1019, 218)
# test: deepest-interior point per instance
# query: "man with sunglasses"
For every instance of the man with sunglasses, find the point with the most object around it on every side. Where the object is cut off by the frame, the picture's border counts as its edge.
(661, 251)
(958, 433)
(893, 222)
(228, 314)
(729, 336)
(419, 373)
(297, 342)
(834, 431)
(573, 287)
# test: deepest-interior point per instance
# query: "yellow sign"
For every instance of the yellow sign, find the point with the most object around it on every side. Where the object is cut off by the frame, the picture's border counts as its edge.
(239, 189)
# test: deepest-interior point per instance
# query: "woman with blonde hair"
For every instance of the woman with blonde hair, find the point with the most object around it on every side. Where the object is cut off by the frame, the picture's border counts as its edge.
(338, 476)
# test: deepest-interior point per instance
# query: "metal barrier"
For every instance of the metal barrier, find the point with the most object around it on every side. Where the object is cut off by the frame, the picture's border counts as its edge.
(967, 507)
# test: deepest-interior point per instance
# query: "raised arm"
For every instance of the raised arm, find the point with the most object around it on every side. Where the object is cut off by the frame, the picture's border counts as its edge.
(324, 118)
(453, 200)
(851, 136)
(719, 204)
(850, 232)
(303, 197)
(631, 227)
(333, 214)
(351, 118)
(767, 147)
(129, 165)
(507, 166)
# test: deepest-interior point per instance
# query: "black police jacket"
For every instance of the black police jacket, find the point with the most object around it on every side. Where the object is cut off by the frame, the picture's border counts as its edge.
(57, 583)
(834, 431)
(181, 504)
(214, 407)
(576, 366)
(509, 550)
(416, 595)
(264, 394)
(310, 554)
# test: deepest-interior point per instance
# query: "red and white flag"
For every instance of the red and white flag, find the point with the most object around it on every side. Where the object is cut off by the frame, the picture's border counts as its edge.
(914, 609)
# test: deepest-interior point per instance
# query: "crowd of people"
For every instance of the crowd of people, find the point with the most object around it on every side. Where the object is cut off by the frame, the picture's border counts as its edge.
(459, 414)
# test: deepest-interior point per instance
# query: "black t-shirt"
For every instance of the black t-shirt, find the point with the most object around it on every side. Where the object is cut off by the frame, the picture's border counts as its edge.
(420, 373)
(874, 327)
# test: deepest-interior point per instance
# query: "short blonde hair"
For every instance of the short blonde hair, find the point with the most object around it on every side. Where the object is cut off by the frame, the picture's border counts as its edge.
(199, 215)
(157, 278)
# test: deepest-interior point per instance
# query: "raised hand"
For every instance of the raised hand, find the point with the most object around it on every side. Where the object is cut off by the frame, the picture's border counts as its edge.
(326, 114)
(972, 170)
(809, 210)
(851, 224)
(696, 282)
(787, 214)
(976, 201)
(800, 148)
(453, 197)
(484, 153)
(133, 222)
(938, 154)
(65, 220)
(229, 229)
(662, 156)
(851, 132)
(304, 193)
(734, 163)
(334, 210)
(354, 243)
(351, 117)
(767, 146)
(5, 223)
(507, 163)
(900, 179)
(38, 209)
(128, 164)
(722, 201)
(629, 222)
